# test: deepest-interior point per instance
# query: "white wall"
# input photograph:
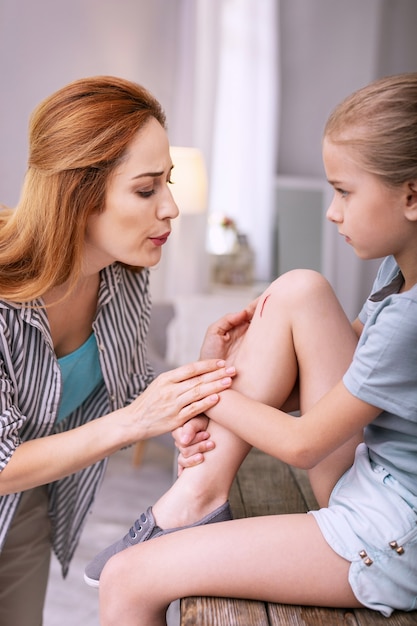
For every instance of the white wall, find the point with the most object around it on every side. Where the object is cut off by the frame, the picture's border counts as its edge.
(329, 48)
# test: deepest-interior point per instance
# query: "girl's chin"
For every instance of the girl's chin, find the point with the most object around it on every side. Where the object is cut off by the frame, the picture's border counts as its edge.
(365, 255)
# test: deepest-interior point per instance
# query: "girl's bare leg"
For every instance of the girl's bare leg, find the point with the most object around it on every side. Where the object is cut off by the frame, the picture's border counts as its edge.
(300, 337)
(276, 558)
(299, 334)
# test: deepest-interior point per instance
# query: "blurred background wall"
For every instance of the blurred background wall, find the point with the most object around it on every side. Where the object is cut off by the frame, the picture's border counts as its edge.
(248, 82)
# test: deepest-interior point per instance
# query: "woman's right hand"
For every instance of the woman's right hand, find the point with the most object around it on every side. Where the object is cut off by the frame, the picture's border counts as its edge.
(178, 395)
(169, 401)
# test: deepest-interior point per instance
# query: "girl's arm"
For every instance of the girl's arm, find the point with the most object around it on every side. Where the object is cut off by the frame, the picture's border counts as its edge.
(300, 441)
(169, 401)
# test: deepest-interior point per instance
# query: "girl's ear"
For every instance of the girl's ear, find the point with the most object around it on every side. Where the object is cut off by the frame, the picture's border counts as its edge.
(411, 204)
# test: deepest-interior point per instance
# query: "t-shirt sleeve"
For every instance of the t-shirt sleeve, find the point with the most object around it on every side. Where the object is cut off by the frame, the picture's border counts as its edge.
(383, 370)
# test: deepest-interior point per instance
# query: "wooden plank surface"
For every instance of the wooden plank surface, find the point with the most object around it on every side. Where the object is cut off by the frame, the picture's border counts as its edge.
(280, 614)
(266, 486)
(222, 612)
(398, 618)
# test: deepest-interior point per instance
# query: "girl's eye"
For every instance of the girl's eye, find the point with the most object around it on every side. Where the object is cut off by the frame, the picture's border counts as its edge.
(343, 193)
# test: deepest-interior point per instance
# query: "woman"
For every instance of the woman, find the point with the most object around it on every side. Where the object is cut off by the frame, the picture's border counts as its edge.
(75, 383)
(357, 393)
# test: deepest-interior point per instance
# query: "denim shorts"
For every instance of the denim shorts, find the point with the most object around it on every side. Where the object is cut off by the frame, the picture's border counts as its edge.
(371, 521)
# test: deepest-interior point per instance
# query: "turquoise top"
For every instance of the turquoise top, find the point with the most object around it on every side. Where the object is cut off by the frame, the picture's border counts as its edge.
(81, 374)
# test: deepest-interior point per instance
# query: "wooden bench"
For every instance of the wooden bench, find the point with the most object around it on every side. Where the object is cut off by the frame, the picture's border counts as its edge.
(265, 486)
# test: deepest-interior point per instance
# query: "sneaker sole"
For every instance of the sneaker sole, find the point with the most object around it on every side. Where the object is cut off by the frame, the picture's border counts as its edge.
(91, 582)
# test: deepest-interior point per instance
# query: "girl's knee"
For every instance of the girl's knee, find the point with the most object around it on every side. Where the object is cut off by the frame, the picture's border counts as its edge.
(115, 579)
(298, 283)
(118, 593)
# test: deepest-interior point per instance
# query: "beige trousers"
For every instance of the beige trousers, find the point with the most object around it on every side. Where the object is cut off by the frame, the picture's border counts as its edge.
(24, 562)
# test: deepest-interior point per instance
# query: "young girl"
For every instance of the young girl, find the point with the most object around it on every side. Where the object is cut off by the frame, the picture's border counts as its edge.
(356, 387)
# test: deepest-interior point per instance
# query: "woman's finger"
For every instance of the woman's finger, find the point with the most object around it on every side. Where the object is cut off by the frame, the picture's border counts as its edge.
(199, 448)
(216, 367)
(192, 432)
(197, 387)
(200, 403)
(184, 462)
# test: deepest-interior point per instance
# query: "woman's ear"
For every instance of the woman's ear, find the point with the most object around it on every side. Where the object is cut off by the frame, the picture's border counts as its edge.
(411, 202)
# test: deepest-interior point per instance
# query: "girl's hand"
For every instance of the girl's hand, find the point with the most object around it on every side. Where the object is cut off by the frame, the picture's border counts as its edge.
(193, 441)
(223, 338)
(178, 395)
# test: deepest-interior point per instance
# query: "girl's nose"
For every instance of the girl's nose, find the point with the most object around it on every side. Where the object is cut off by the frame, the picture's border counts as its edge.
(332, 214)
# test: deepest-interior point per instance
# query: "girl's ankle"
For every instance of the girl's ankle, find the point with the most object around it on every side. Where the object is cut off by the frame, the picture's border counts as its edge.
(184, 511)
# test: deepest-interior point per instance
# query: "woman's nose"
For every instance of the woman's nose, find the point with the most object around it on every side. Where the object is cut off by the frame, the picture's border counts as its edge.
(168, 207)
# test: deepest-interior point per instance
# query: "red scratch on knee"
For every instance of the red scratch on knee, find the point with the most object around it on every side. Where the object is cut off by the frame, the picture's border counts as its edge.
(263, 303)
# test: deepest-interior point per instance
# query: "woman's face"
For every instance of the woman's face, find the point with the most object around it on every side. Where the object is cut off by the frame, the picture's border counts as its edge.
(370, 215)
(139, 207)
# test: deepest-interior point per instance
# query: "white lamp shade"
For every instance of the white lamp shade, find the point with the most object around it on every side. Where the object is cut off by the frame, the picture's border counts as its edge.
(190, 180)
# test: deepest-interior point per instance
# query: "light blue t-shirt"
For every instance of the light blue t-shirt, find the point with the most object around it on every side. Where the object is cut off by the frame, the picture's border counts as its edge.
(384, 373)
(81, 374)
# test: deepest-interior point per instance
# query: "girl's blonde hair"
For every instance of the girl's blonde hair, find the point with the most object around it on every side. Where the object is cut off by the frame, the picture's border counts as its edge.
(77, 136)
(379, 122)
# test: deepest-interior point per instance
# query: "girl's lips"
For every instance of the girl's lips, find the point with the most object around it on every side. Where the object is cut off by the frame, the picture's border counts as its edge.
(346, 238)
(159, 241)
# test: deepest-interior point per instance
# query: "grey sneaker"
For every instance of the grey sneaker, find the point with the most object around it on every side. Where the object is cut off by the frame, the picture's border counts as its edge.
(145, 528)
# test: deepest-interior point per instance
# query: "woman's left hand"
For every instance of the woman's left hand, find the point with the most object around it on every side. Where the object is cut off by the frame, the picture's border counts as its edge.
(223, 338)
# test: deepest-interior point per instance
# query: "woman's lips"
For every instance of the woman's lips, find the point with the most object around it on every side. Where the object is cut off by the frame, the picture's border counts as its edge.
(159, 241)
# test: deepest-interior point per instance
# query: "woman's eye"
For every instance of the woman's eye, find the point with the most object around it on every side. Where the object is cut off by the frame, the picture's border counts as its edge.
(146, 194)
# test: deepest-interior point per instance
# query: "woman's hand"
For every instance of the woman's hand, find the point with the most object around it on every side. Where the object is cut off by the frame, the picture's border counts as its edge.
(178, 395)
(192, 441)
(223, 338)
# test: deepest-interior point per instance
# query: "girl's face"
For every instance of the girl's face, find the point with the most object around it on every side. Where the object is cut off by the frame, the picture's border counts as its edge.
(370, 215)
(139, 207)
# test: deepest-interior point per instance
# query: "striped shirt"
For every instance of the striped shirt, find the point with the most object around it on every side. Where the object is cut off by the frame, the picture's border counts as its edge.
(31, 387)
